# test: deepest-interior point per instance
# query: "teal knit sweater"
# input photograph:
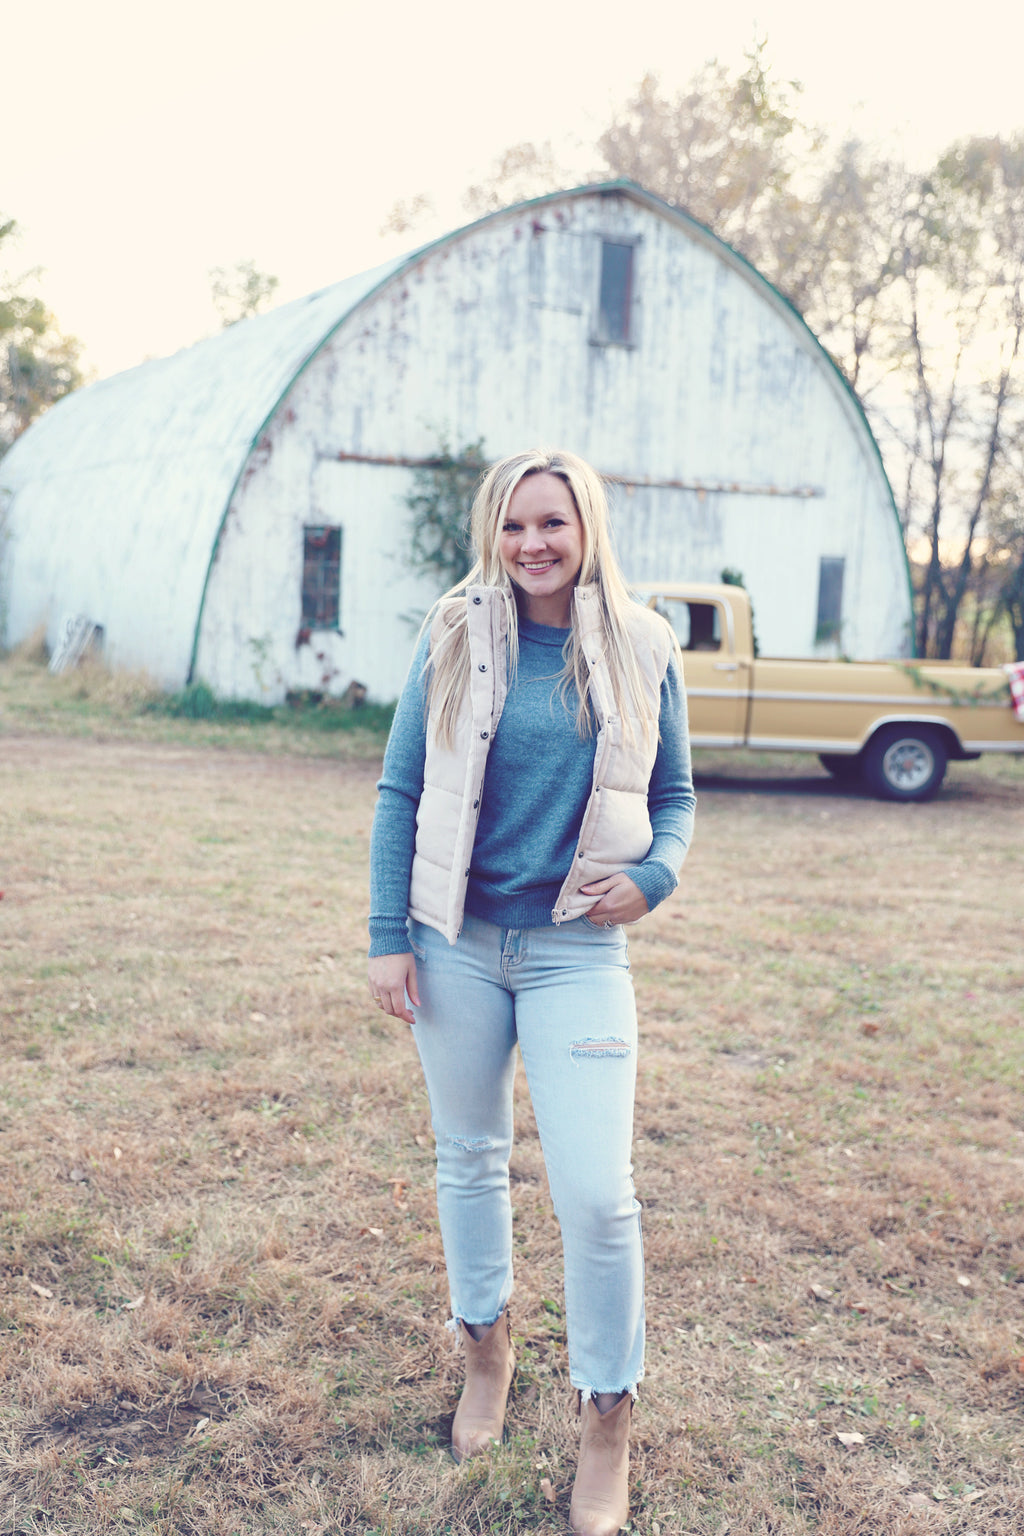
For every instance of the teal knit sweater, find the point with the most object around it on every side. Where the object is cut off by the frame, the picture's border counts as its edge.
(538, 781)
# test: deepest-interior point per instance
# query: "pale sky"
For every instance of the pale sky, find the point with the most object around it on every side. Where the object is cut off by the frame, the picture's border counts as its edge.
(145, 145)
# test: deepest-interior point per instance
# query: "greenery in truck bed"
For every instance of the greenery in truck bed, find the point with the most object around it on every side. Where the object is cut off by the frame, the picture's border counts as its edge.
(960, 698)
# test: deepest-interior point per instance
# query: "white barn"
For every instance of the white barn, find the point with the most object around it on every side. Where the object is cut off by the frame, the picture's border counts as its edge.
(237, 512)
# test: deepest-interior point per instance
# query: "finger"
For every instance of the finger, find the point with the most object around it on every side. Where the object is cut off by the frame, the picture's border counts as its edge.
(601, 914)
(412, 985)
(599, 887)
(395, 1005)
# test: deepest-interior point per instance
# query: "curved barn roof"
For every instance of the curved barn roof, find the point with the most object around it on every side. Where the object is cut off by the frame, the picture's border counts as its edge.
(119, 493)
(144, 464)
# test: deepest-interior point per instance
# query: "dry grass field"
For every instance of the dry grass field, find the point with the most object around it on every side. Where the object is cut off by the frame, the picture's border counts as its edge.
(222, 1300)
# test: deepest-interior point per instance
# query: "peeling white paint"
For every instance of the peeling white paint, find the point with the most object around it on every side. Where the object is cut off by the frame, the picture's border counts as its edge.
(119, 492)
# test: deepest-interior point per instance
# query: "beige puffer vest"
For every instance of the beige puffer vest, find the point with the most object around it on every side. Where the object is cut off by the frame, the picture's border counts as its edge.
(615, 833)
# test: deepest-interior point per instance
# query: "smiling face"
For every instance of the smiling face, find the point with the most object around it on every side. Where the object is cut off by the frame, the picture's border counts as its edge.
(542, 547)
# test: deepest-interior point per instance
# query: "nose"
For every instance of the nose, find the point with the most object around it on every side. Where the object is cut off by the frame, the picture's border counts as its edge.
(532, 539)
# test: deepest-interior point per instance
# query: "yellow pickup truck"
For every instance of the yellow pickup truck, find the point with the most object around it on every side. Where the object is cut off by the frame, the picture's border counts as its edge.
(893, 725)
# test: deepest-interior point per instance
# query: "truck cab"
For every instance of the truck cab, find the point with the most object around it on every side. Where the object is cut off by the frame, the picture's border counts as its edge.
(716, 639)
(893, 725)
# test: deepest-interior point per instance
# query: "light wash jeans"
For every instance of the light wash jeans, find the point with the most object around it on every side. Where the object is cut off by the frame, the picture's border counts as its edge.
(565, 995)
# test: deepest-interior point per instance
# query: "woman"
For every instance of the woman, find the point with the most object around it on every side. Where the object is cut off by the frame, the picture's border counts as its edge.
(536, 796)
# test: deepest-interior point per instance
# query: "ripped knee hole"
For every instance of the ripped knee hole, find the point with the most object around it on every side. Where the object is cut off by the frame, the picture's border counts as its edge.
(470, 1143)
(582, 1050)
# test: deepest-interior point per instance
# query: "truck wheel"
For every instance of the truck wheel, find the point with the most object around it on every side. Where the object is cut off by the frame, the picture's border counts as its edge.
(905, 762)
(845, 767)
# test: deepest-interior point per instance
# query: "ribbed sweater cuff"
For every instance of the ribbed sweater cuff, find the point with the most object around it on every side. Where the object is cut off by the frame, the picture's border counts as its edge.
(654, 880)
(388, 936)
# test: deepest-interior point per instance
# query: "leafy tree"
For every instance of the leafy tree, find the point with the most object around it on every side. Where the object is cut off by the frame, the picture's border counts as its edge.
(38, 364)
(842, 265)
(959, 346)
(522, 172)
(241, 291)
(407, 214)
(725, 149)
(1011, 594)
(1003, 565)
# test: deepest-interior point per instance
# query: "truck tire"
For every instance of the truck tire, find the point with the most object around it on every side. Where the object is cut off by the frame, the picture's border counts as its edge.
(905, 762)
(845, 767)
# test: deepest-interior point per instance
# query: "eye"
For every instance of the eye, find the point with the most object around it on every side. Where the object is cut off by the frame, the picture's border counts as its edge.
(556, 522)
(511, 528)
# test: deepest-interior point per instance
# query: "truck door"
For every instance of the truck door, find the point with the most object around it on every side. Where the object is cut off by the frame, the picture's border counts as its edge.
(716, 682)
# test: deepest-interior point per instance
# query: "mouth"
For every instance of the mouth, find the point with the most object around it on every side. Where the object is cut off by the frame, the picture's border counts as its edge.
(538, 567)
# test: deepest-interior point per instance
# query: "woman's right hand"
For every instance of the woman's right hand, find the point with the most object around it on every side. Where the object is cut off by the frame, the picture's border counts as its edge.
(391, 977)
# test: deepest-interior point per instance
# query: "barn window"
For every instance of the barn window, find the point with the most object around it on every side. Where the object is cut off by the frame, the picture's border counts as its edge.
(830, 599)
(615, 305)
(321, 578)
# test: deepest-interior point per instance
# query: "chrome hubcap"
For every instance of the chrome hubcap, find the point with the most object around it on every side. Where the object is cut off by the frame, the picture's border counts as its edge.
(908, 764)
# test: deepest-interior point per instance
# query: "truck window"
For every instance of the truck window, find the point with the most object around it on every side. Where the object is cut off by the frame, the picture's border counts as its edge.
(697, 626)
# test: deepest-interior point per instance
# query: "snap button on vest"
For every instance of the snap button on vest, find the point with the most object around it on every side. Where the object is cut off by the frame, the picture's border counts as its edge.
(478, 600)
(483, 666)
(484, 735)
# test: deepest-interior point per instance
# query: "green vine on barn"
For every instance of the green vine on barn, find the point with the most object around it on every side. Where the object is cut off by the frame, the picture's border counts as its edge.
(439, 505)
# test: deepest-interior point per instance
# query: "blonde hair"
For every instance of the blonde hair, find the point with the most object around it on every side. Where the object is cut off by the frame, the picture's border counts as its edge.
(448, 662)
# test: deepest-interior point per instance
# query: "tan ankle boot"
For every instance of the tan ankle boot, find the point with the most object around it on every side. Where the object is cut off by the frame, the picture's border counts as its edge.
(490, 1366)
(600, 1494)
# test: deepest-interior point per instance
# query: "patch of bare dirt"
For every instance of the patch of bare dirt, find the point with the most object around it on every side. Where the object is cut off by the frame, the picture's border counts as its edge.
(125, 1431)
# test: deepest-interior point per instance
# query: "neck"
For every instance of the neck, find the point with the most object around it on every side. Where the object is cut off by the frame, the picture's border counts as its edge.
(554, 612)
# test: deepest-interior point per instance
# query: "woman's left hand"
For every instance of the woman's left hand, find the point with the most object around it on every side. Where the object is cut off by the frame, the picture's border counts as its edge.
(621, 901)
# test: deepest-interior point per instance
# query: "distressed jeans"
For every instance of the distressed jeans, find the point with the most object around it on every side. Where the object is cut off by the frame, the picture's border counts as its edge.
(565, 996)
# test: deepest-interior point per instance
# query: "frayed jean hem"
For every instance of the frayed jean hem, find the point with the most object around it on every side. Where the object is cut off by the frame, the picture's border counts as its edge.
(454, 1323)
(586, 1393)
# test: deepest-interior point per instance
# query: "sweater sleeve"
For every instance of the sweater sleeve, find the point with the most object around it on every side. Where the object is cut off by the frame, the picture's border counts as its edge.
(393, 837)
(670, 797)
